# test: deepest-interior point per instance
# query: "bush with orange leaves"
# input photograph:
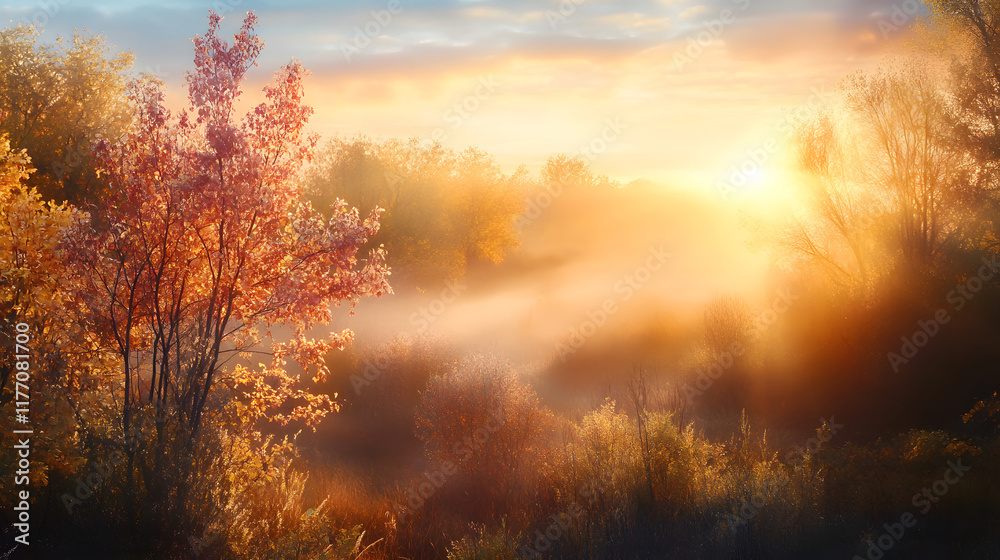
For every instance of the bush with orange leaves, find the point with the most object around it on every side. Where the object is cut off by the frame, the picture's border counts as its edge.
(461, 404)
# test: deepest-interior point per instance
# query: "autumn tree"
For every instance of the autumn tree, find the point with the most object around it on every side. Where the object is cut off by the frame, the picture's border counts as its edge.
(486, 203)
(728, 324)
(29, 234)
(887, 186)
(208, 246)
(445, 211)
(964, 32)
(34, 293)
(729, 336)
(972, 41)
(832, 236)
(928, 184)
(59, 100)
(574, 172)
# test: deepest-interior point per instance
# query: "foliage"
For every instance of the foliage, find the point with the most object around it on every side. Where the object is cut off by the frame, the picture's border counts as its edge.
(890, 189)
(208, 243)
(477, 390)
(59, 100)
(985, 413)
(480, 417)
(484, 544)
(967, 32)
(207, 246)
(32, 285)
(574, 172)
(265, 515)
(445, 211)
(728, 322)
(34, 291)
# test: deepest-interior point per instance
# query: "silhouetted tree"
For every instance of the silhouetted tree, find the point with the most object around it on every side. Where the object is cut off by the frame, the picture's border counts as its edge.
(887, 187)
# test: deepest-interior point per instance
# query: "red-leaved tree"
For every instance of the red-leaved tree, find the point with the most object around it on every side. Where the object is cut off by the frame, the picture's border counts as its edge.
(205, 245)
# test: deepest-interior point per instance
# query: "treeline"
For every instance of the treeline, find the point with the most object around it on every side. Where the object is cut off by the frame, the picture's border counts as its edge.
(445, 211)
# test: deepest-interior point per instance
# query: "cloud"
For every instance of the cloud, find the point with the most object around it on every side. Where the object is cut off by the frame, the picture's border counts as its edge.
(486, 12)
(633, 21)
(608, 58)
(694, 11)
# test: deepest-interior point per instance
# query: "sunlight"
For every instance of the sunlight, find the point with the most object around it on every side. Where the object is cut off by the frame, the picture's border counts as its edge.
(757, 180)
(500, 280)
(762, 184)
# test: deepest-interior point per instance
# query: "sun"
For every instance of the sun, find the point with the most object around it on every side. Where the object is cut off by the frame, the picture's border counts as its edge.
(757, 179)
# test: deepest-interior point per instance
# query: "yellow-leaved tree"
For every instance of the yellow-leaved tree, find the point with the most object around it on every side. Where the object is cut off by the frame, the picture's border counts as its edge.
(36, 369)
(58, 100)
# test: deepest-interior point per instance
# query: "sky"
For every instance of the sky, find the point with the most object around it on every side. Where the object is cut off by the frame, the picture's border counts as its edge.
(677, 92)
(674, 91)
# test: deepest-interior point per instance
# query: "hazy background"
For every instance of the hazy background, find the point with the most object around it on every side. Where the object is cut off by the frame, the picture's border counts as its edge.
(556, 82)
